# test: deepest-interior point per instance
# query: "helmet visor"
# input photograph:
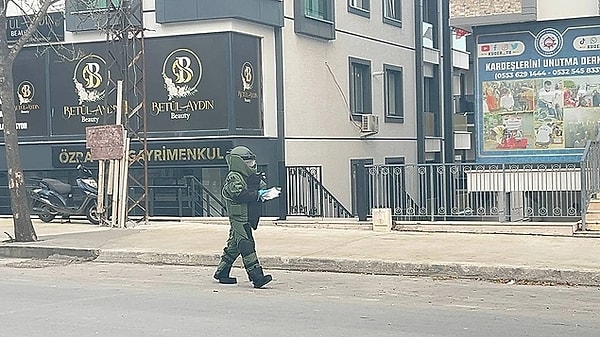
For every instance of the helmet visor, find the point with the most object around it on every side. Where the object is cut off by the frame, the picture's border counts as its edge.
(251, 163)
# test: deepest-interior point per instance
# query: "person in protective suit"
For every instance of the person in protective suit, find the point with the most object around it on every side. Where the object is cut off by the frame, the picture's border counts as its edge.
(242, 192)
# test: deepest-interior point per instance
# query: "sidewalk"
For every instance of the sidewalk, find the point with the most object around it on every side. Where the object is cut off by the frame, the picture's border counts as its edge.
(501, 257)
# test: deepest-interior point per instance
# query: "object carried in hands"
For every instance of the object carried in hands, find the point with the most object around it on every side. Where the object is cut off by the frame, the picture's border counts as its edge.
(269, 194)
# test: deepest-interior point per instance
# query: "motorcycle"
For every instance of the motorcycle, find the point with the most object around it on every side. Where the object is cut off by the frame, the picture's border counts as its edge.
(54, 198)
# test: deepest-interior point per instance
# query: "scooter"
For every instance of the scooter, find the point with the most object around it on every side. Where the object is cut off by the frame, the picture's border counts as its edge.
(54, 198)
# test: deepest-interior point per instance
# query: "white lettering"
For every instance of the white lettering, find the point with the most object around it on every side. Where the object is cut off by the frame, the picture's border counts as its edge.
(561, 62)
(185, 116)
(90, 119)
(590, 60)
(20, 126)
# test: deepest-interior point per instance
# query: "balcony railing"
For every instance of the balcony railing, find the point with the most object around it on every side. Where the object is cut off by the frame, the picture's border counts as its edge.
(428, 35)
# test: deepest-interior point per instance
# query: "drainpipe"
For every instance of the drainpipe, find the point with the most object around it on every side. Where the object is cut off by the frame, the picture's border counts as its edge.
(279, 77)
(448, 110)
(419, 86)
(447, 101)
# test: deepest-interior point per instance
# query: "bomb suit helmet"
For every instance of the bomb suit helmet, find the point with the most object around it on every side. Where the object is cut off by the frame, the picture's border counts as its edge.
(245, 154)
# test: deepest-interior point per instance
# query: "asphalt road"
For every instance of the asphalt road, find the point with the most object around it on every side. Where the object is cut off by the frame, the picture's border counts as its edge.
(66, 298)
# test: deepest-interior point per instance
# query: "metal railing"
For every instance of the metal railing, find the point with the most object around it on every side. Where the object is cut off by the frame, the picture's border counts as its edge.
(590, 177)
(306, 195)
(190, 199)
(203, 202)
(414, 192)
(480, 192)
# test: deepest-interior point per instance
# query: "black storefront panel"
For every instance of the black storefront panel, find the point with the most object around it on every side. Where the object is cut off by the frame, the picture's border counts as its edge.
(186, 83)
(195, 85)
(247, 79)
(78, 90)
(30, 94)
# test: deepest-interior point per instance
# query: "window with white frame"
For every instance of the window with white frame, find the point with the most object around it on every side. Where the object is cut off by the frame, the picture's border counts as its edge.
(394, 92)
(315, 18)
(360, 86)
(316, 9)
(360, 4)
(392, 10)
(93, 5)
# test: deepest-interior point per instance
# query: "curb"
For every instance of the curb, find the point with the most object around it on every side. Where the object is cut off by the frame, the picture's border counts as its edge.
(47, 252)
(375, 267)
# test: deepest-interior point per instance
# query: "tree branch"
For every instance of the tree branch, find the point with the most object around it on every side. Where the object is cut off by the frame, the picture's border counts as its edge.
(33, 26)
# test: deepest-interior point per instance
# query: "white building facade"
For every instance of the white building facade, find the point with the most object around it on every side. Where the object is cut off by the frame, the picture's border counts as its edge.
(320, 67)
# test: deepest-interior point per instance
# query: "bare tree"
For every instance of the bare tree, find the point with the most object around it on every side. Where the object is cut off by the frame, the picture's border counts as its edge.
(24, 231)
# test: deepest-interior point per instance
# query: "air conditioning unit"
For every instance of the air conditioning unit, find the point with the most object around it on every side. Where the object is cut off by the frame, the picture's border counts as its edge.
(369, 124)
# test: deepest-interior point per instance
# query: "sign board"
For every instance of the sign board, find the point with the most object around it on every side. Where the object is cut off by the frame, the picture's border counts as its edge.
(191, 88)
(105, 141)
(537, 89)
(50, 29)
(158, 154)
(79, 92)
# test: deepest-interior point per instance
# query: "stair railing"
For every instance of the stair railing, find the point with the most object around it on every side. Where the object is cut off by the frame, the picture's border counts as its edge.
(202, 201)
(590, 176)
(306, 195)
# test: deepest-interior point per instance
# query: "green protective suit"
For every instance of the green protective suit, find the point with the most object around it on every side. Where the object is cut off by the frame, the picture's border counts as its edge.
(240, 192)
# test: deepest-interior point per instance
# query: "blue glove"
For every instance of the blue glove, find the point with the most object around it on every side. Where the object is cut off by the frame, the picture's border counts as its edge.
(261, 193)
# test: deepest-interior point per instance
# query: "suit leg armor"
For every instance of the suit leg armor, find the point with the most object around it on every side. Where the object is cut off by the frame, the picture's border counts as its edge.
(230, 253)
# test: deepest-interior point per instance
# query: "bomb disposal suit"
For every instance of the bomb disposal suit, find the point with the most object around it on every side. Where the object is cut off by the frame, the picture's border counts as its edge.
(242, 192)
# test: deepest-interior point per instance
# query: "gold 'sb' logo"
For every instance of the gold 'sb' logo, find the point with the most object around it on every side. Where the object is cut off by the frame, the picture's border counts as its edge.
(88, 79)
(91, 75)
(247, 75)
(181, 73)
(26, 90)
(182, 70)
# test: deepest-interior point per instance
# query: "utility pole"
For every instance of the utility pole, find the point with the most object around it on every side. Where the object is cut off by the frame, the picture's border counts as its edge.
(125, 39)
(122, 23)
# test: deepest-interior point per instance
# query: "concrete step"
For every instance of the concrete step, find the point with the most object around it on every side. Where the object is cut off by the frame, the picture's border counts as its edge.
(531, 228)
(593, 206)
(592, 225)
(325, 223)
(592, 218)
(587, 234)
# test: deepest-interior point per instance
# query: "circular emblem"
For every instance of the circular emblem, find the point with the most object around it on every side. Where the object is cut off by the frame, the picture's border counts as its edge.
(181, 73)
(89, 71)
(247, 75)
(88, 77)
(548, 42)
(25, 92)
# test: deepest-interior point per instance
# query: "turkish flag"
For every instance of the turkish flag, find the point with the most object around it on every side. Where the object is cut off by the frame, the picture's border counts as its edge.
(485, 47)
(460, 32)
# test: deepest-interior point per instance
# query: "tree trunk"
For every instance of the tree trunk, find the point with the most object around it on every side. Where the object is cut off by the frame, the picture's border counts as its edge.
(24, 231)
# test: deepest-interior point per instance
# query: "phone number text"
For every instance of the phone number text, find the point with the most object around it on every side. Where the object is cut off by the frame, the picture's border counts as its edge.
(546, 73)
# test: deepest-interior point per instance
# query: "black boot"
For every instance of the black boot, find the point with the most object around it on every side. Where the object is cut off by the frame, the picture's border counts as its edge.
(258, 278)
(223, 276)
